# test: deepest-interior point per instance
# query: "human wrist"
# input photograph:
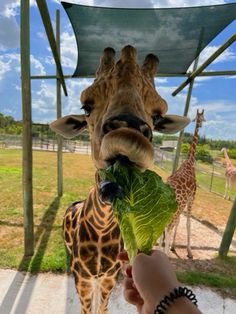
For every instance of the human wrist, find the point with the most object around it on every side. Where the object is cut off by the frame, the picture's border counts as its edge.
(174, 301)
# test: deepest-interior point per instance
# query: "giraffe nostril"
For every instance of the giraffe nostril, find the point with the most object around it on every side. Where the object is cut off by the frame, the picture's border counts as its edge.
(113, 125)
(146, 131)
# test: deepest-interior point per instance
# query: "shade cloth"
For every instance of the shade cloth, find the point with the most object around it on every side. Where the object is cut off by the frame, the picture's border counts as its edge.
(175, 35)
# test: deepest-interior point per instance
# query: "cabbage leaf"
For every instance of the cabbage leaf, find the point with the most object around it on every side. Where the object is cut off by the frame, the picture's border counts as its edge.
(145, 208)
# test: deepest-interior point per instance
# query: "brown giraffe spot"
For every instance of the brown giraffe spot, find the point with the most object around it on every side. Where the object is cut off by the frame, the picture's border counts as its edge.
(105, 264)
(83, 233)
(115, 232)
(106, 238)
(111, 250)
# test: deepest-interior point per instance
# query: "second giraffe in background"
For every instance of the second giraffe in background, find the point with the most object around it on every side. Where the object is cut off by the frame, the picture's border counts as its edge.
(183, 181)
(230, 174)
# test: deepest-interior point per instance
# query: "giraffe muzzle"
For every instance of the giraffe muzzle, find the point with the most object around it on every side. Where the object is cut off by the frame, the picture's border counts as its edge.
(129, 143)
(128, 121)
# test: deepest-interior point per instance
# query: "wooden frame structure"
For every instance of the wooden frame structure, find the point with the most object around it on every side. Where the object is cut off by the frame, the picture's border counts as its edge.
(60, 79)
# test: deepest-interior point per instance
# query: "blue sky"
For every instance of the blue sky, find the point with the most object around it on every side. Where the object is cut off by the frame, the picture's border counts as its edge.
(217, 95)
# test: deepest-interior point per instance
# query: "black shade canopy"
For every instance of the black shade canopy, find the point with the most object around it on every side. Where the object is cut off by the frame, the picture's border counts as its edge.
(175, 35)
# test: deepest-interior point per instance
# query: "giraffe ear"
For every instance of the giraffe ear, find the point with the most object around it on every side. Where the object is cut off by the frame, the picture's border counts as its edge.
(170, 124)
(69, 126)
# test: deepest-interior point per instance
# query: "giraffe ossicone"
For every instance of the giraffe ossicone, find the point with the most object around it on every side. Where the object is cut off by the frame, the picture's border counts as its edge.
(121, 110)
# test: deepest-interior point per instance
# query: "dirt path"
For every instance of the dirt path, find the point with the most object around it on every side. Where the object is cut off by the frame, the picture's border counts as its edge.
(205, 244)
(205, 241)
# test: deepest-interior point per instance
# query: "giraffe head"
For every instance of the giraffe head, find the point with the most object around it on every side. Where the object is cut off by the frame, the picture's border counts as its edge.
(223, 149)
(199, 118)
(121, 110)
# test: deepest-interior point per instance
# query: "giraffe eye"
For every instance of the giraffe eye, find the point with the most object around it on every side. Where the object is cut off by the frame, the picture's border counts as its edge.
(87, 109)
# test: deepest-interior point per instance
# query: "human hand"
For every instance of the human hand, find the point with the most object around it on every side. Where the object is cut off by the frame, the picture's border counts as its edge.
(148, 281)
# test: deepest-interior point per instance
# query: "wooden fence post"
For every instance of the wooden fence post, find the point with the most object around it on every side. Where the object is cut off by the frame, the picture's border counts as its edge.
(27, 128)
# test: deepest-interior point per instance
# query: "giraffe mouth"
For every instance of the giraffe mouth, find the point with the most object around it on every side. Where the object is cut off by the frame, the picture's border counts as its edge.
(127, 145)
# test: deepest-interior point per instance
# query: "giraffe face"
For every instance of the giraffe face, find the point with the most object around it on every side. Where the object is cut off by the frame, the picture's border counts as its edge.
(122, 108)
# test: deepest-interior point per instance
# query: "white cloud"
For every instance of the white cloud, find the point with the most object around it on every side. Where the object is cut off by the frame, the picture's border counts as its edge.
(68, 50)
(9, 8)
(4, 68)
(10, 64)
(227, 55)
(9, 29)
(9, 33)
(37, 66)
(160, 80)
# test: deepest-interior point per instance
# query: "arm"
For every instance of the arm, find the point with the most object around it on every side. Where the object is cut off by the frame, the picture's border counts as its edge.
(149, 281)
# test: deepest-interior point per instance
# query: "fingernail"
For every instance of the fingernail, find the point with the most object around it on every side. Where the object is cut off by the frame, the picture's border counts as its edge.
(128, 272)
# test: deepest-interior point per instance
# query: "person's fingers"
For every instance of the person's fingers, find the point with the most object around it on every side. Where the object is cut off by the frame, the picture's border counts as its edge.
(128, 283)
(127, 270)
(131, 294)
(123, 256)
(133, 297)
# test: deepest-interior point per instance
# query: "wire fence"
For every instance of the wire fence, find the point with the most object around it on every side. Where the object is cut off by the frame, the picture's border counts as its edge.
(72, 146)
(209, 176)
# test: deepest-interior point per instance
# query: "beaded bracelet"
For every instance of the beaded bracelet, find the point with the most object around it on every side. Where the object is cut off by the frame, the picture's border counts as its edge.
(177, 293)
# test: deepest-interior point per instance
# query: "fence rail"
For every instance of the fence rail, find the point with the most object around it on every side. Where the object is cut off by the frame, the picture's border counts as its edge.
(209, 176)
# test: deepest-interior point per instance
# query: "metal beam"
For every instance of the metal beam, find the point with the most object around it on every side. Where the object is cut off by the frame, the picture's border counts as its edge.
(27, 129)
(59, 138)
(43, 9)
(205, 64)
(209, 73)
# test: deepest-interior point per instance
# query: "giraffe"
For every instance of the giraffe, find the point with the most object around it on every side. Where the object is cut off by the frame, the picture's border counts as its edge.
(230, 174)
(121, 109)
(183, 181)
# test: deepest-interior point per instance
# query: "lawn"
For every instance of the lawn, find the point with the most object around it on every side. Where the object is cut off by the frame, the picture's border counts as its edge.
(48, 209)
(50, 253)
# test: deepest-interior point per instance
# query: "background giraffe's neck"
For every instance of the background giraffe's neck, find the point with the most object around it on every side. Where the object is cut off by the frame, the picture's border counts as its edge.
(192, 149)
(228, 161)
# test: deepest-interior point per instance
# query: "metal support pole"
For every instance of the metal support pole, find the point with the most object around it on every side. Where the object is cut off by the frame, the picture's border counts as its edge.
(43, 9)
(59, 138)
(188, 99)
(212, 176)
(216, 54)
(211, 73)
(229, 232)
(27, 129)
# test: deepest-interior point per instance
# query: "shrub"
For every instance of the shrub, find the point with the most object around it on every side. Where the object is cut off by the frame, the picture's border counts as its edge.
(203, 154)
(232, 153)
(185, 148)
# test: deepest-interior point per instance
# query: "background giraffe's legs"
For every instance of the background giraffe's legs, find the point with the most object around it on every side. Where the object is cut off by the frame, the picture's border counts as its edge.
(188, 224)
(229, 188)
(167, 235)
(226, 187)
(174, 236)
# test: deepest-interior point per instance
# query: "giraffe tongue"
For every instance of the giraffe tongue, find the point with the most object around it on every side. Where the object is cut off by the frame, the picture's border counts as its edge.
(129, 145)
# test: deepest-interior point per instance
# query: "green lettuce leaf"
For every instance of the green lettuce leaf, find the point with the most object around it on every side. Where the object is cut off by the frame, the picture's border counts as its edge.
(146, 207)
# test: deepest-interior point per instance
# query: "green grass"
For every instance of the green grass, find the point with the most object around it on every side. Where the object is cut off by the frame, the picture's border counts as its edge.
(220, 276)
(50, 253)
(207, 279)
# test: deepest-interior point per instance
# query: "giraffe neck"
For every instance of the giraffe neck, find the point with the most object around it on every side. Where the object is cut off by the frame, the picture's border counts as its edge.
(192, 149)
(98, 213)
(228, 161)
